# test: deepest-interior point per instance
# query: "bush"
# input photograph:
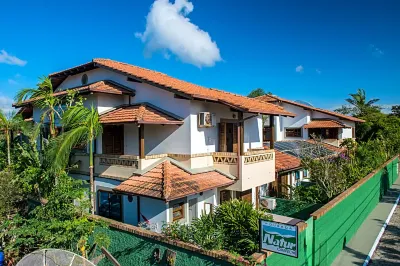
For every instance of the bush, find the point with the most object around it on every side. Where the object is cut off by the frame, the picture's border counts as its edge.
(207, 232)
(233, 227)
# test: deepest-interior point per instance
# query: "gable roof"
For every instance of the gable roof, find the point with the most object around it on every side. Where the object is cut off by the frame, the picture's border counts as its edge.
(274, 99)
(168, 181)
(324, 123)
(104, 86)
(142, 113)
(182, 88)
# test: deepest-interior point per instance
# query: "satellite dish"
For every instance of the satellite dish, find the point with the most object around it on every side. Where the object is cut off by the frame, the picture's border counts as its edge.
(54, 257)
(304, 102)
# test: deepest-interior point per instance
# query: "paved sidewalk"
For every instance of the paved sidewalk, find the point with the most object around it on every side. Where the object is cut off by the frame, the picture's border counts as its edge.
(388, 251)
(361, 243)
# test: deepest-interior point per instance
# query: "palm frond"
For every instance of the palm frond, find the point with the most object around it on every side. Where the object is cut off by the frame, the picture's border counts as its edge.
(60, 148)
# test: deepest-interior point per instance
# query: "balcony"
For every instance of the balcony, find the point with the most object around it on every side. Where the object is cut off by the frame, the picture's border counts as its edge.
(255, 168)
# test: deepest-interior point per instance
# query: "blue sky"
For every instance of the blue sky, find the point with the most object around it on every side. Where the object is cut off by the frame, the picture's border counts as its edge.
(318, 51)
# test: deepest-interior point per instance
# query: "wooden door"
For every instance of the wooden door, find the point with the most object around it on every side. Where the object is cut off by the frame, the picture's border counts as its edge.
(113, 139)
(228, 137)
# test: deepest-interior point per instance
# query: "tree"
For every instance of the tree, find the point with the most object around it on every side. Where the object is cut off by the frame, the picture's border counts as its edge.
(360, 103)
(396, 110)
(53, 106)
(81, 126)
(7, 125)
(256, 93)
(44, 99)
(346, 110)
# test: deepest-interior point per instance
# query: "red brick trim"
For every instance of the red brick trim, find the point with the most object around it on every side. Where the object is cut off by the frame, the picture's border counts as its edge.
(324, 209)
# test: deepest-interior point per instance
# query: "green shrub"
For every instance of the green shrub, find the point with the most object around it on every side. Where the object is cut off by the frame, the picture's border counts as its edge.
(240, 226)
(207, 232)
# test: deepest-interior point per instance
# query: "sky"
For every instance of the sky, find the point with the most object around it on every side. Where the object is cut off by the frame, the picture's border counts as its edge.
(315, 51)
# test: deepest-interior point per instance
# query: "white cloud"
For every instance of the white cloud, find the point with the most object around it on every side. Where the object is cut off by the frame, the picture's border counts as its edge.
(6, 58)
(12, 82)
(170, 31)
(318, 71)
(376, 51)
(6, 104)
(299, 69)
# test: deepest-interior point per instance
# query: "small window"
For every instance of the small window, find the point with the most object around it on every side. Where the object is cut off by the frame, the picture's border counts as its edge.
(305, 173)
(208, 208)
(178, 211)
(84, 79)
(293, 132)
(297, 175)
(110, 205)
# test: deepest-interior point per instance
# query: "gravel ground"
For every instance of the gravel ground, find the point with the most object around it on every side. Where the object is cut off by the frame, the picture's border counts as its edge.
(388, 250)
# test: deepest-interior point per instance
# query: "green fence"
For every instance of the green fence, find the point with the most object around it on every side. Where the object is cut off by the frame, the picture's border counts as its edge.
(328, 230)
(333, 229)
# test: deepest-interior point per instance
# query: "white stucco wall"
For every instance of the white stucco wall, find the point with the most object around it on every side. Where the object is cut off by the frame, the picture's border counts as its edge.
(302, 118)
(204, 140)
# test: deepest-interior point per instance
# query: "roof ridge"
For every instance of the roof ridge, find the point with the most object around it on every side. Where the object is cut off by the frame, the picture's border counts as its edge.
(166, 179)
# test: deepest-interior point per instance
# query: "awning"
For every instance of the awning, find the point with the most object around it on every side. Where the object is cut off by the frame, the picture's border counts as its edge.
(325, 124)
(142, 113)
(168, 181)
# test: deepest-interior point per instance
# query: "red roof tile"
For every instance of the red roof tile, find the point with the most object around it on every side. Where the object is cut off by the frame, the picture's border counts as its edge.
(185, 89)
(273, 99)
(167, 181)
(142, 113)
(106, 86)
(324, 124)
(284, 161)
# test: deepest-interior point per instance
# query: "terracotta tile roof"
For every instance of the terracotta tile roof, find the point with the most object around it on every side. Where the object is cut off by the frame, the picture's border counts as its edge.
(284, 161)
(180, 87)
(105, 86)
(143, 113)
(167, 181)
(274, 99)
(324, 124)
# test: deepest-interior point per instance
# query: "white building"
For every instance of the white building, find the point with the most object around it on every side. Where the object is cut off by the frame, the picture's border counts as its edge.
(170, 150)
(331, 126)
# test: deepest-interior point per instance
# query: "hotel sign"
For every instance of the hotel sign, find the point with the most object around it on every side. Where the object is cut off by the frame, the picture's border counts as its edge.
(279, 238)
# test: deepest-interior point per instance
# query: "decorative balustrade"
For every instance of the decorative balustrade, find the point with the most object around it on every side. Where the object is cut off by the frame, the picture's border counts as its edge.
(127, 161)
(225, 158)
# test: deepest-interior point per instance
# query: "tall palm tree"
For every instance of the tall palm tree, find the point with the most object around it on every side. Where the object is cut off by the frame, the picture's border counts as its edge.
(44, 99)
(359, 101)
(81, 125)
(8, 124)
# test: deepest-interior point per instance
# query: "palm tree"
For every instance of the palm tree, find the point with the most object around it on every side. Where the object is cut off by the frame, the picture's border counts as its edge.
(8, 124)
(81, 125)
(44, 99)
(358, 100)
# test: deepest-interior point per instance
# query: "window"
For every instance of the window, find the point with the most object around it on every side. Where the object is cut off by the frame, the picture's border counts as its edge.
(297, 175)
(293, 132)
(109, 205)
(84, 79)
(178, 211)
(208, 208)
(305, 173)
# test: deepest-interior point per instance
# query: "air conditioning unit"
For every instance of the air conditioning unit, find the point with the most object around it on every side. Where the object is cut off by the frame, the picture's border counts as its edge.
(206, 119)
(271, 204)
